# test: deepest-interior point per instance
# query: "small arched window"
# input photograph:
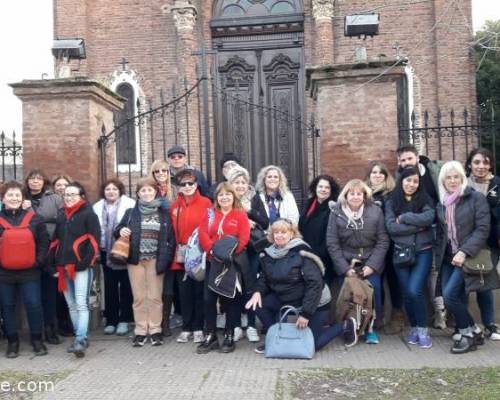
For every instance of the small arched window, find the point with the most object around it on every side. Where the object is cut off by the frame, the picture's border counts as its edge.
(256, 8)
(125, 137)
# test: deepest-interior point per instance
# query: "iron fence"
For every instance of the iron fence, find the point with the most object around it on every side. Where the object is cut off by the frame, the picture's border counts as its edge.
(11, 157)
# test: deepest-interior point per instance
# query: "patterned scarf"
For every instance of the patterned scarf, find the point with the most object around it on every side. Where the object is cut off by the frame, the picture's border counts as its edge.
(354, 218)
(450, 201)
(274, 212)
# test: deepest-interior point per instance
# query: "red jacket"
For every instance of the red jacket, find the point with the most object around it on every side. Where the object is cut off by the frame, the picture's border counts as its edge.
(235, 223)
(186, 217)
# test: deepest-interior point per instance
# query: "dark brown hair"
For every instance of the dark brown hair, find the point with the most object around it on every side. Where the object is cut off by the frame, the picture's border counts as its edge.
(113, 181)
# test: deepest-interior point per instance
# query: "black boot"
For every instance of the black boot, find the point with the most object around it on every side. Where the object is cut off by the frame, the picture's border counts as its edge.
(51, 334)
(12, 349)
(228, 343)
(39, 347)
(210, 343)
(464, 345)
(167, 310)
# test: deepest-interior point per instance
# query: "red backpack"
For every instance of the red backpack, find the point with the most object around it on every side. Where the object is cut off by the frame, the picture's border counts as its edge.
(17, 244)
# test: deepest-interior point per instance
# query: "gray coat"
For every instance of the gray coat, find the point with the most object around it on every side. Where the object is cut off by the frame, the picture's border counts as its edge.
(50, 203)
(472, 219)
(368, 244)
(413, 228)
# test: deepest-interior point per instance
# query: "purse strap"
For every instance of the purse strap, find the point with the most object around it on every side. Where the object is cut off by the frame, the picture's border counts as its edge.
(286, 310)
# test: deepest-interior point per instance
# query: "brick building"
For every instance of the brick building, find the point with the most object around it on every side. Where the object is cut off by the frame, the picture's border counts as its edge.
(285, 55)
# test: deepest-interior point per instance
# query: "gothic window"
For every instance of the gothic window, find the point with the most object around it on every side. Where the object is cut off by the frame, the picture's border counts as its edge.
(125, 137)
(256, 8)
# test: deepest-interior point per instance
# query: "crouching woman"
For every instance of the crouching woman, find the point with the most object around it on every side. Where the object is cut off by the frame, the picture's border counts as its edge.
(292, 275)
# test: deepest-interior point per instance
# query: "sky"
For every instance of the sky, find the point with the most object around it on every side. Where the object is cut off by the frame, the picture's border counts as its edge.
(26, 34)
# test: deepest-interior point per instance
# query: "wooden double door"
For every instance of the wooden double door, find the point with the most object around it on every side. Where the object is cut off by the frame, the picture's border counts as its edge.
(259, 105)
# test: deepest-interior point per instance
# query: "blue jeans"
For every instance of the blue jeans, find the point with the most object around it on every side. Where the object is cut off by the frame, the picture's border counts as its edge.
(455, 298)
(30, 292)
(269, 313)
(413, 282)
(77, 296)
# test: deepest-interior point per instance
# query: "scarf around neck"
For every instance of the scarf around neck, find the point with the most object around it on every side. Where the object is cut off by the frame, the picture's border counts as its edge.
(70, 211)
(280, 252)
(354, 218)
(450, 201)
(151, 207)
(480, 186)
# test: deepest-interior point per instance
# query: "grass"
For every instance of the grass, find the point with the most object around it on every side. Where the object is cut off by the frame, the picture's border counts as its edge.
(401, 384)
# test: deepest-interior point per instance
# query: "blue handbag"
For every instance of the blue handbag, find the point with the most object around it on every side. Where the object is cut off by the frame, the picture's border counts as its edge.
(285, 340)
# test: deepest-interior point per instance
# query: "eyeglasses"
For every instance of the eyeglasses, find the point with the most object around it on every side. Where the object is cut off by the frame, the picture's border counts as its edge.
(177, 156)
(185, 184)
(162, 170)
(71, 195)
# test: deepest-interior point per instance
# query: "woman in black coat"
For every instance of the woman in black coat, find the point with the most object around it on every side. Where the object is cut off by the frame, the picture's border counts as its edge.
(25, 278)
(314, 219)
(463, 227)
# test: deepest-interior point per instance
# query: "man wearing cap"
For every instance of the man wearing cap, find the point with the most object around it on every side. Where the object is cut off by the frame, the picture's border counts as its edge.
(178, 162)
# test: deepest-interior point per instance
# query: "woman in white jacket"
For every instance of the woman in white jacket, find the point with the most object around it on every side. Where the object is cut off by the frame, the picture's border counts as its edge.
(275, 195)
(117, 291)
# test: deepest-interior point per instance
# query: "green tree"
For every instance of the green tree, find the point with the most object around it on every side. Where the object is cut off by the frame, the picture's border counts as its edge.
(487, 49)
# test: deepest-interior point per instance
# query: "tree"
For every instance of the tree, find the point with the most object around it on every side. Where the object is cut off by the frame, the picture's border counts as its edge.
(487, 49)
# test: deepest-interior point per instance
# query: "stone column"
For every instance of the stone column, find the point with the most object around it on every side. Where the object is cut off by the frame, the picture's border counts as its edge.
(62, 121)
(322, 11)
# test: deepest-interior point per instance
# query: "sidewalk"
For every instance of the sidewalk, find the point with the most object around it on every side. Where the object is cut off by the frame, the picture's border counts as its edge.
(114, 369)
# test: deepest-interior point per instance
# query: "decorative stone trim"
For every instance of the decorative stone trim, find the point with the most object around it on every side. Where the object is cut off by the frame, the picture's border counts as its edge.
(322, 10)
(183, 13)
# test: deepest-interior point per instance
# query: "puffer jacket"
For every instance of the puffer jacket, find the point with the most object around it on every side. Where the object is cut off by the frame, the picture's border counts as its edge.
(297, 279)
(48, 207)
(369, 244)
(472, 218)
(413, 228)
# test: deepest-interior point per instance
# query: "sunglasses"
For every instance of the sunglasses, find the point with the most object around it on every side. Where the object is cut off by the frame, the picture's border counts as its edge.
(163, 171)
(185, 184)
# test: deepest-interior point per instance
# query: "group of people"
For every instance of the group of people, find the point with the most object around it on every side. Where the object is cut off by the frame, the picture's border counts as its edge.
(435, 216)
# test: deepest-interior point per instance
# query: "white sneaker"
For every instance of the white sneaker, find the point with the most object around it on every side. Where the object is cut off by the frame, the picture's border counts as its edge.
(183, 337)
(238, 334)
(492, 332)
(109, 329)
(252, 334)
(122, 329)
(440, 319)
(221, 321)
(198, 337)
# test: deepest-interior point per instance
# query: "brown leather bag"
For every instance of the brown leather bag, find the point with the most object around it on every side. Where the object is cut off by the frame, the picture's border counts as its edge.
(120, 251)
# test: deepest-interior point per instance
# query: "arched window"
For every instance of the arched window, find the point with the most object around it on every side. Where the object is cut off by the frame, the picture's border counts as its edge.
(125, 137)
(256, 8)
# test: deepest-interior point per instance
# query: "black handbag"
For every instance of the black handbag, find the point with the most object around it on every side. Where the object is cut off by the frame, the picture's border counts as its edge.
(258, 239)
(403, 256)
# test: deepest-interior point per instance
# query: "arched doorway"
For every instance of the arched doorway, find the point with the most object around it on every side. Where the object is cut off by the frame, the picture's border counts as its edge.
(259, 78)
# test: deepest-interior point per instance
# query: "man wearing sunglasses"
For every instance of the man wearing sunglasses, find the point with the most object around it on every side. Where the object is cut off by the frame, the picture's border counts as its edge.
(177, 161)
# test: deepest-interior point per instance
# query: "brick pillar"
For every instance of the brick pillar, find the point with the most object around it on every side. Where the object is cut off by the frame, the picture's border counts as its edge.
(62, 121)
(322, 11)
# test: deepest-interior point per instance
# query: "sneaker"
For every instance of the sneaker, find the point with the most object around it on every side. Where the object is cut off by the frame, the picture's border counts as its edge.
(478, 335)
(412, 338)
(210, 343)
(260, 349)
(139, 340)
(122, 328)
(372, 338)
(492, 332)
(440, 319)
(156, 339)
(349, 332)
(456, 335)
(464, 345)
(424, 341)
(252, 334)
(198, 337)
(183, 337)
(238, 334)
(109, 329)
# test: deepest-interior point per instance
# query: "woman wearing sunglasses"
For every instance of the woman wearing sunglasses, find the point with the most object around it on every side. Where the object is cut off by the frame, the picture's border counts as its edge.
(356, 231)
(160, 172)
(186, 213)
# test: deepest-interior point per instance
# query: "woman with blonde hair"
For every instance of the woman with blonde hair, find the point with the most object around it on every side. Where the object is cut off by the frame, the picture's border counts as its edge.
(356, 234)
(278, 200)
(160, 172)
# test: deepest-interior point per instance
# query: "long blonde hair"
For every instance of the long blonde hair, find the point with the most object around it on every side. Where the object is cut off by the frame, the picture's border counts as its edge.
(260, 185)
(159, 164)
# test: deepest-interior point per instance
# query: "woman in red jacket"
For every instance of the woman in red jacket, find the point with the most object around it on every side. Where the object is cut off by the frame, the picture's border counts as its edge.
(230, 219)
(186, 213)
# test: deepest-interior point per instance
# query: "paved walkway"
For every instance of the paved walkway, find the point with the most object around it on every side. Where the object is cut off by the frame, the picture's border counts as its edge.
(114, 369)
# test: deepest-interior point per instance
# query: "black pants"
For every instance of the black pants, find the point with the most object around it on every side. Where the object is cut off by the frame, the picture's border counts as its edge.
(48, 286)
(230, 306)
(117, 294)
(191, 299)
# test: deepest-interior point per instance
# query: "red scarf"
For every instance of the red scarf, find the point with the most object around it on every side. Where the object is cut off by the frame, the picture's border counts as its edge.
(313, 206)
(70, 211)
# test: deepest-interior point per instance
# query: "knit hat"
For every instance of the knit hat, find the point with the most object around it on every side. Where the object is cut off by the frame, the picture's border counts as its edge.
(229, 157)
(176, 150)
